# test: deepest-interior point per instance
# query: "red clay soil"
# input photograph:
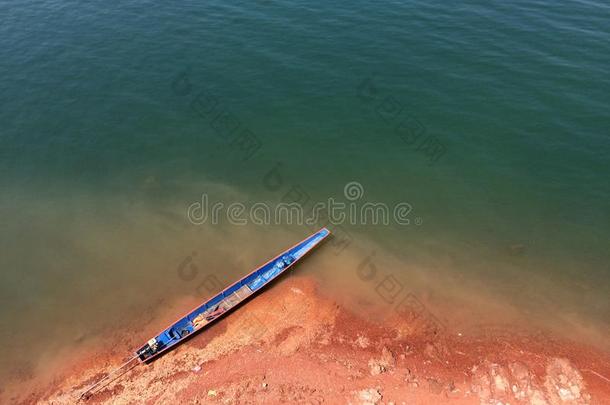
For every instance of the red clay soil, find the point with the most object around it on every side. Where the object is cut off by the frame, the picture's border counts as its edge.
(291, 345)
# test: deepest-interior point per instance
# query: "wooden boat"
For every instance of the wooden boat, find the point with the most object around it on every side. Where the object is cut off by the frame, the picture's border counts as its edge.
(219, 305)
(228, 299)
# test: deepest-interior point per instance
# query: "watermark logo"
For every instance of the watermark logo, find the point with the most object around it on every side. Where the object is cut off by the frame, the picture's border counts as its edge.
(353, 191)
(391, 291)
(349, 209)
(396, 115)
(218, 116)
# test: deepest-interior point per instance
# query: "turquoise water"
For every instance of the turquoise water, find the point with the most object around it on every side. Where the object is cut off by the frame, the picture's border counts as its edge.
(102, 150)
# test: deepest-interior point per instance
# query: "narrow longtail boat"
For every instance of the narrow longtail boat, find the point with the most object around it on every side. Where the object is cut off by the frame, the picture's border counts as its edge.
(214, 308)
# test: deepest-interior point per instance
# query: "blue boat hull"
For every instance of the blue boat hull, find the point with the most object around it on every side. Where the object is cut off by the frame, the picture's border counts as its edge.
(228, 299)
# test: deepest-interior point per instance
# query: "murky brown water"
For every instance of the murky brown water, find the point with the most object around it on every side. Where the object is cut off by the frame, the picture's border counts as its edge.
(77, 266)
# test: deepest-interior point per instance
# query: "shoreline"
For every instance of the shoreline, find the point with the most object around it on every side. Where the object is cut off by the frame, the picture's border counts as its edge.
(294, 344)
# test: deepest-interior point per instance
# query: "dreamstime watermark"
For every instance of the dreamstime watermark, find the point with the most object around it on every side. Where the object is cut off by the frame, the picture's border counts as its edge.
(351, 211)
(295, 205)
(208, 106)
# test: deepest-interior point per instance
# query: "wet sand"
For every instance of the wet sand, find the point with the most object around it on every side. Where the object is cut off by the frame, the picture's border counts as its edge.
(293, 344)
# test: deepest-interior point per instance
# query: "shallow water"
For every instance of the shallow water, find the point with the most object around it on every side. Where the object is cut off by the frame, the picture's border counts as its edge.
(490, 120)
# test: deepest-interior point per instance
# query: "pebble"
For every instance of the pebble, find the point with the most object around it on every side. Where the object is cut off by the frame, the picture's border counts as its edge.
(369, 396)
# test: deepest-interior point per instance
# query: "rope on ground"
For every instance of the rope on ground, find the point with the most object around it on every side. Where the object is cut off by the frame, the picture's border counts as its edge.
(89, 391)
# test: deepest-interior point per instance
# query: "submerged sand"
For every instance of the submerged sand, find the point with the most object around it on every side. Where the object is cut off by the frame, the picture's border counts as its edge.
(292, 344)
